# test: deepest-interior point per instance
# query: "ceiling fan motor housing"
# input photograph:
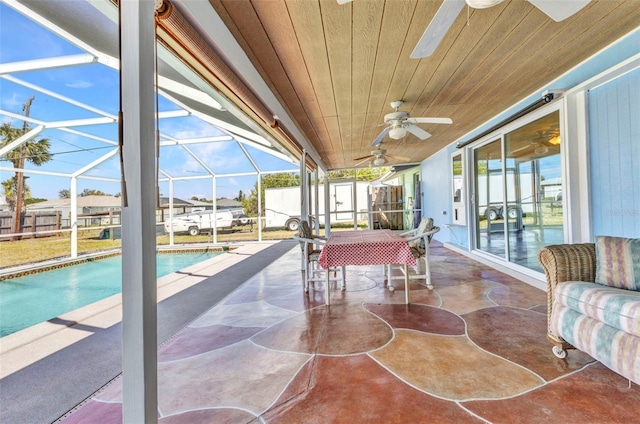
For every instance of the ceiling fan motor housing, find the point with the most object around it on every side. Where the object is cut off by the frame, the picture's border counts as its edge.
(396, 118)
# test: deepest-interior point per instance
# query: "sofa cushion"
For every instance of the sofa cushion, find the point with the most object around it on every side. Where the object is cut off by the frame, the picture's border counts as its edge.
(618, 308)
(618, 262)
(616, 349)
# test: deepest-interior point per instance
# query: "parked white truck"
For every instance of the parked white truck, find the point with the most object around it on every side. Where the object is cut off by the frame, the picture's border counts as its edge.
(282, 205)
(195, 222)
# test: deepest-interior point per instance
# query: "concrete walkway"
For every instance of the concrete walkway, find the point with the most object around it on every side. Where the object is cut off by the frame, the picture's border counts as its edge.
(48, 369)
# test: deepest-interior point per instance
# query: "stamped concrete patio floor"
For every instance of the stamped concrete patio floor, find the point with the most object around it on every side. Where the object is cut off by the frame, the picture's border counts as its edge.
(471, 350)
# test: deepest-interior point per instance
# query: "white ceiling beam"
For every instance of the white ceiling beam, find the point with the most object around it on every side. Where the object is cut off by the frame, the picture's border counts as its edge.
(95, 163)
(24, 9)
(189, 92)
(35, 172)
(21, 140)
(57, 96)
(268, 150)
(59, 124)
(173, 114)
(80, 122)
(198, 177)
(48, 63)
(244, 150)
(219, 123)
(197, 159)
(90, 136)
(94, 178)
(238, 174)
(174, 142)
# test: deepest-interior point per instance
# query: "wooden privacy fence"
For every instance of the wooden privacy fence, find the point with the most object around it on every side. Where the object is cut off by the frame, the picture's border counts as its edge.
(387, 207)
(31, 222)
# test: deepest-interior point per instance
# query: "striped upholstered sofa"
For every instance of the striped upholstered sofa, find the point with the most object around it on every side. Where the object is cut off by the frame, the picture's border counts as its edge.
(593, 301)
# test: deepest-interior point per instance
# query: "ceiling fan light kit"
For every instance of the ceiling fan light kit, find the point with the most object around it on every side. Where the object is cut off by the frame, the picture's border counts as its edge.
(483, 4)
(400, 122)
(397, 133)
(379, 161)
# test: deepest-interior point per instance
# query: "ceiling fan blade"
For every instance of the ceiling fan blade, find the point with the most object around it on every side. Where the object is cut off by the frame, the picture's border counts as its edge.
(440, 24)
(363, 157)
(418, 132)
(380, 136)
(425, 120)
(400, 158)
(559, 10)
(367, 158)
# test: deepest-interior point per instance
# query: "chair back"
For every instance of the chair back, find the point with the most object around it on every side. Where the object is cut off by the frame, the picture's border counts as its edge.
(304, 231)
(426, 225)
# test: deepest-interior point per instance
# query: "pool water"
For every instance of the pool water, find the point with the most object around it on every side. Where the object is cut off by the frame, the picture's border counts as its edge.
(35, 298)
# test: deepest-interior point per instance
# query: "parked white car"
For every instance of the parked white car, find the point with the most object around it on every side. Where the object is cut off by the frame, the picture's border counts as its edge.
(195, 222)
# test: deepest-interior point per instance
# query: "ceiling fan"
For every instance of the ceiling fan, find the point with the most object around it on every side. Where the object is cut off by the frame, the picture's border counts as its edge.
(558, 10)
(378, 158)
(399, 123)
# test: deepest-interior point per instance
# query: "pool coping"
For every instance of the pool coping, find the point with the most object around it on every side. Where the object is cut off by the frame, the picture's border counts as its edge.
(48, 265)
(22, 348)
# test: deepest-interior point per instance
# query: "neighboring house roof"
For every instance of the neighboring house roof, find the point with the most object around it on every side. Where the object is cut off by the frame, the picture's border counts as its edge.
(396, 172)
(551, 181)
(227, 203)
(83, 202)
(164, 202)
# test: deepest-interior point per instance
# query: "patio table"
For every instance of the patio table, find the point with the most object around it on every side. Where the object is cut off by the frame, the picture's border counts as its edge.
(369, 247)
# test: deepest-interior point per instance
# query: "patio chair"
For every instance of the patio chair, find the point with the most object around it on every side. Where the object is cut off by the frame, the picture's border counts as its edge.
(310, 256)
(419, 239)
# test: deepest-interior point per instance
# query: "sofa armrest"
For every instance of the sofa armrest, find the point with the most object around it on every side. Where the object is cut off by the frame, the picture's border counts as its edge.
(566, 262)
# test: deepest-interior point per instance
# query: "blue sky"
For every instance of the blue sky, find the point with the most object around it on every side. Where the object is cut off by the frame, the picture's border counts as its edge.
(96, 85)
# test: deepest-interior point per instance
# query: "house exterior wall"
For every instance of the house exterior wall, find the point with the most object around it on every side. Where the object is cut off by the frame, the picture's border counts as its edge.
(614, 141)
(621, 215)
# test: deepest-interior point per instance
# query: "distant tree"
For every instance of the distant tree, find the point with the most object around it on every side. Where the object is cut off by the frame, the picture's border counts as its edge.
(9, 191)
(194, 198)
(35, 151)
(33, 200)
(64, 194)
(364, 174)
(90, 192)
(240, 197)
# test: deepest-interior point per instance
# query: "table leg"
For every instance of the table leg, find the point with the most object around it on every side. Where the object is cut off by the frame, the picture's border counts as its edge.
(406, 284)
(327, 292)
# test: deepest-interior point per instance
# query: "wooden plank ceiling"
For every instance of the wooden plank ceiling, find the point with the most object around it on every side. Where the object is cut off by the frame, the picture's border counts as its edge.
(336, 68)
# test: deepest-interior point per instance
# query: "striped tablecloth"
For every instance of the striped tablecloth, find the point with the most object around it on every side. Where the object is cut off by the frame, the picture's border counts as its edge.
(373, 247)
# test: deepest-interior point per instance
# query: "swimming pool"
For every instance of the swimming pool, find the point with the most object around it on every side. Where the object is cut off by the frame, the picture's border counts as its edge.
(35, 298)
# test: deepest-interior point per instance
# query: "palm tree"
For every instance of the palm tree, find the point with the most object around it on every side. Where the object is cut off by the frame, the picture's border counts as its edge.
(33, 151)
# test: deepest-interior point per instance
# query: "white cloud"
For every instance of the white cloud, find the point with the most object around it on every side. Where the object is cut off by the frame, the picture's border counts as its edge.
(11, 102)
(80, 84)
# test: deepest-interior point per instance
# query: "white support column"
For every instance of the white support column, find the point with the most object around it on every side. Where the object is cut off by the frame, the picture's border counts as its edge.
(259, 207)
(214, 212)
(304, 209)
(73, 215)
(327, 206)
(171, 238)
(316, 210)
(139, 297)
(354, 195)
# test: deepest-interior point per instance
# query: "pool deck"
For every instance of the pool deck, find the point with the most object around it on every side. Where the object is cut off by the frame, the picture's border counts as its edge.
(82, 349)
(248, 345)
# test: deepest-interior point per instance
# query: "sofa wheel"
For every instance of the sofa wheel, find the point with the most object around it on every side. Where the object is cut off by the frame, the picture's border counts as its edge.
(559, 352)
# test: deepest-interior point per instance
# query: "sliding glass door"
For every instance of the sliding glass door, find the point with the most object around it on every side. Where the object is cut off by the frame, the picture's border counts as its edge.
(518, 192)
